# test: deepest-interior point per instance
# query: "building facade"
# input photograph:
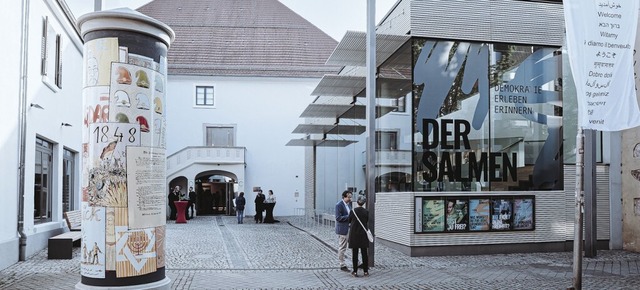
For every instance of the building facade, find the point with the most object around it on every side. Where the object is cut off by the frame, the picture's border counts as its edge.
(475, 132)
(239, 74)
(237, 81)
(41, 133)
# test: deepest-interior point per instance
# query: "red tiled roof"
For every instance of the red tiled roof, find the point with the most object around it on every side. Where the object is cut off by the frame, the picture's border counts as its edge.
(242, 38)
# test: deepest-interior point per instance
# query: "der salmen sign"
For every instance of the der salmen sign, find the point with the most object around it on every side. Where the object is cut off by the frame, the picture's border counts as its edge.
(487, 117)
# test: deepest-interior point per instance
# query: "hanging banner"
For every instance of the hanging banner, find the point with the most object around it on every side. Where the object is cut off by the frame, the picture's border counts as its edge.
(600, 43)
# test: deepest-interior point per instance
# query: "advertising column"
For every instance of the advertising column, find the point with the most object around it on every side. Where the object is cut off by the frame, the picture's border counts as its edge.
(123, 150)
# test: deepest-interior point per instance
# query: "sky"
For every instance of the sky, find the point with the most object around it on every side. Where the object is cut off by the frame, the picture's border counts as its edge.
(334, 17)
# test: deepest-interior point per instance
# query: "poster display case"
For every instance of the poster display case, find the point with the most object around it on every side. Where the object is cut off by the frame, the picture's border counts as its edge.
(452, 214)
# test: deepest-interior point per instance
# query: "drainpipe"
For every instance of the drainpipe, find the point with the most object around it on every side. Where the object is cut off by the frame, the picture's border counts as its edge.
(22, 136)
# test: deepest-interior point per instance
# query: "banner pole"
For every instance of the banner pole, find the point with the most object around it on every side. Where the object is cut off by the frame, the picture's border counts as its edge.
(577, 227)
(370, 170)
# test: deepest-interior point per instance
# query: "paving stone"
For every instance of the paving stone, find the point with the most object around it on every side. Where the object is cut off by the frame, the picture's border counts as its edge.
(214, 252)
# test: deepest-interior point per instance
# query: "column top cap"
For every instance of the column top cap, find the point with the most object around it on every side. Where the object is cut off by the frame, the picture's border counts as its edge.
(125, 19)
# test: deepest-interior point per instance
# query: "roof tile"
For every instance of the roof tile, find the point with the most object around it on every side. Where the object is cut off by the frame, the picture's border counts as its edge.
(242, 38)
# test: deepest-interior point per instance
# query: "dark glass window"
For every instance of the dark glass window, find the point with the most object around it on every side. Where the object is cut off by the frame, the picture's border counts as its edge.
(68, 167)
(42, 193)
(487, 117)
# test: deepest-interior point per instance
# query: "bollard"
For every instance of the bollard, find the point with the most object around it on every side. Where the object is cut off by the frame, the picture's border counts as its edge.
(123, 151)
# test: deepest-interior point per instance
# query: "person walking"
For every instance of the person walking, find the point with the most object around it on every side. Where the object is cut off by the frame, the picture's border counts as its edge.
(174, 195)
(343, 207)
(259, 206)
(359, 223)
(240, 202)
(191, 207)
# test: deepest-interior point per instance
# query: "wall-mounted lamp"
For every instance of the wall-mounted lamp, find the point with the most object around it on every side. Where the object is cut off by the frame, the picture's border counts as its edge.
(66, 125)
(36, 106)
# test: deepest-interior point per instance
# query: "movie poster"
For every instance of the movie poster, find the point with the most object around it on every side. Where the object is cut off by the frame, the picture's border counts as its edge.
(479, 214)
(457, 215)
(523, 214)
(502, 214)
(418, 214)
(432, 215)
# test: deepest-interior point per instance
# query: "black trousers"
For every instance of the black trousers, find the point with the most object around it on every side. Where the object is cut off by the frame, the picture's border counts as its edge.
(191, 209)
(173, 211)
(365, 259)
(258, 217)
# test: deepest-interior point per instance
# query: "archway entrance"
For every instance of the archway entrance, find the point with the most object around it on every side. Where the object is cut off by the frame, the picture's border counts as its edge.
(215, 192)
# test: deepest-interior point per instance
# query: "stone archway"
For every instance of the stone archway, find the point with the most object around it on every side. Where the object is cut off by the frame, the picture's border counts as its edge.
(215, 192)
(181, 181)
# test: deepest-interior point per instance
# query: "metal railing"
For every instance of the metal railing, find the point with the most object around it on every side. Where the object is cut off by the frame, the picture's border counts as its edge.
(311, 218)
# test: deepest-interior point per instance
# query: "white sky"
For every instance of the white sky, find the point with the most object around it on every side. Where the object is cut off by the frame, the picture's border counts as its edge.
(334, 17)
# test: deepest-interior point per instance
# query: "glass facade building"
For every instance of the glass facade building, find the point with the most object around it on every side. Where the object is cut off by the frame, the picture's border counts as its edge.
(474, 150)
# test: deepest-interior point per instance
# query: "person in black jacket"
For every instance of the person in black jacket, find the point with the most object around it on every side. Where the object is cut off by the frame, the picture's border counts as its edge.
(173, 196)
(192, 203)
(259, 206)
(358, 236)
(240, 202)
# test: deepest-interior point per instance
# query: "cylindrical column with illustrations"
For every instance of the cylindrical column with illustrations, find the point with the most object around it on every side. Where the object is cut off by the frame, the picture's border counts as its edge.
(123, 150)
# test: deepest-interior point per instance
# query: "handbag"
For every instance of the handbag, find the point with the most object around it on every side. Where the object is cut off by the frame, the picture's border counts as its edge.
(369, 234)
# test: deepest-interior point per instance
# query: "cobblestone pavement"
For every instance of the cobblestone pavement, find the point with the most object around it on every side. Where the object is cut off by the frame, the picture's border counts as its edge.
(213, 252)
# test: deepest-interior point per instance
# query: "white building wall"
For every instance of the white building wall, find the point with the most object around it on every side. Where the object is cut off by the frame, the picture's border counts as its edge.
(60, 106)
(264, 112)
(11, 18)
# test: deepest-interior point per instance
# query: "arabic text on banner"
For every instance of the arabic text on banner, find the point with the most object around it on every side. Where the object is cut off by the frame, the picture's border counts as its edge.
(600, 43)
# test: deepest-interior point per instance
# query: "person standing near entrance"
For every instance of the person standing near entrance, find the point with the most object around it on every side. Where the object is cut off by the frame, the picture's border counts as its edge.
(192, 203)
(259, 206)
(174, 195)
(358, 240)
(240, 202)
(343, 207)
(269, 204)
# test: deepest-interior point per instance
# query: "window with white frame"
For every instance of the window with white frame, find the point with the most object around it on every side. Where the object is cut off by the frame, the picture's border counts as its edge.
(204, 96)
(51, 57)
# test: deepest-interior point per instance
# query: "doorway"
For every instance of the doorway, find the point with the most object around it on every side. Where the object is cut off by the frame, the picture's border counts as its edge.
(215, 193)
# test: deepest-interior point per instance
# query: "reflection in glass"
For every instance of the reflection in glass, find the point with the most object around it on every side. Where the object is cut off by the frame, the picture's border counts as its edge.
(486, 117)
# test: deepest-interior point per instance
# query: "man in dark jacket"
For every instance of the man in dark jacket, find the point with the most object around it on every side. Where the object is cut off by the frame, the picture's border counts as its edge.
(259, 206)
(192, 202)
(343, 207)
(173, 196)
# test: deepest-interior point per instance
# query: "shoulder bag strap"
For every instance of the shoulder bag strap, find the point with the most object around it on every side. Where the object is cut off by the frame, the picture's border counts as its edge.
(354, 213)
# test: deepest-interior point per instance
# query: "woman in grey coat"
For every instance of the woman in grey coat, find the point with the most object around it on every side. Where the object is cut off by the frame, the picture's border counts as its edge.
(358, 236)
